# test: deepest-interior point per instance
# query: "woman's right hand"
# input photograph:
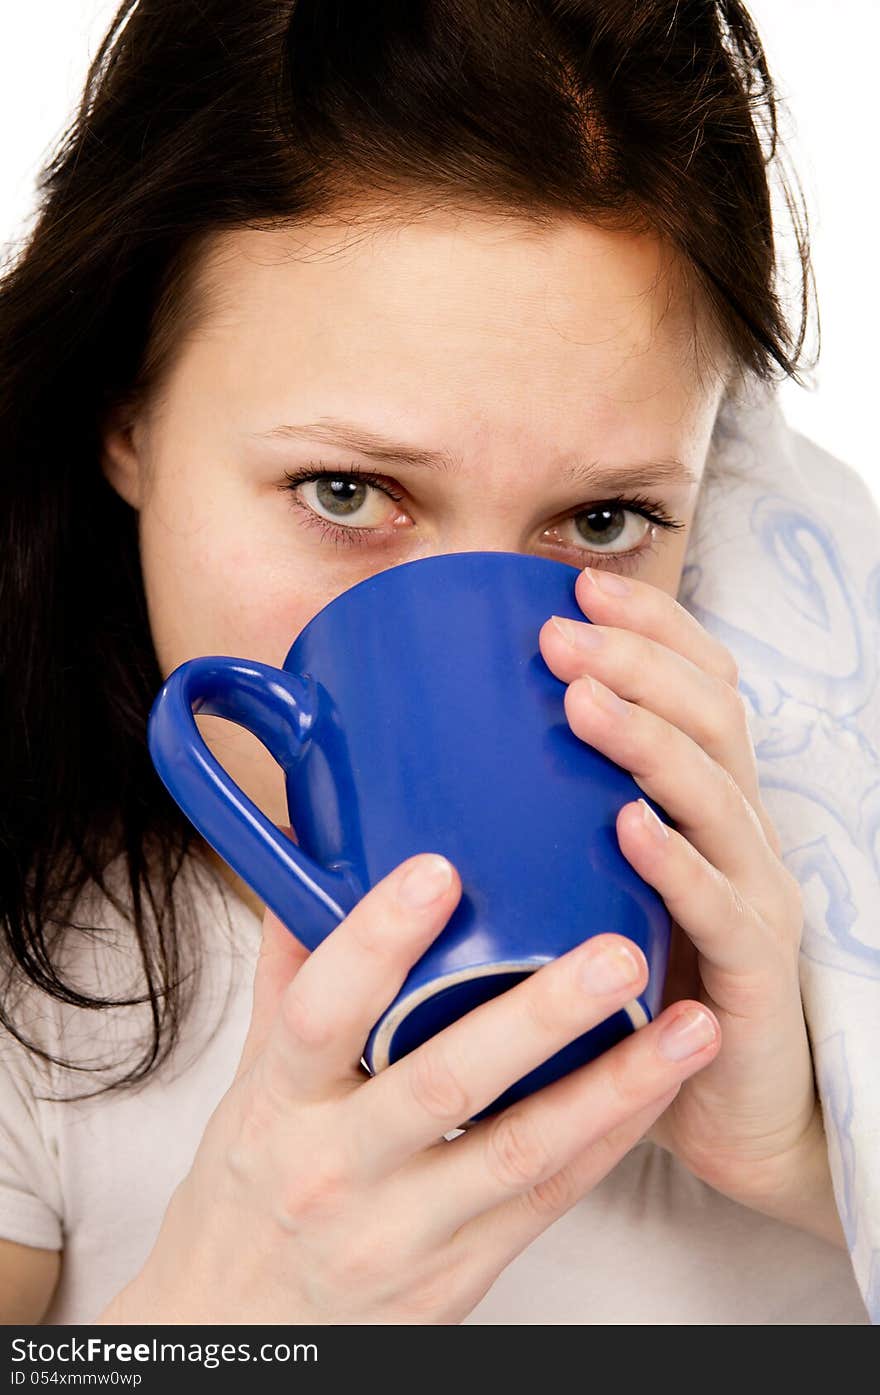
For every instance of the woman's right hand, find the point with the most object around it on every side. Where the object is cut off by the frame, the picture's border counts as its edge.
(319, 1195)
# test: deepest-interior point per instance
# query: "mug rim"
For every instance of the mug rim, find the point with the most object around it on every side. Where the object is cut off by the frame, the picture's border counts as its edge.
(523, 559)
(394, 1016)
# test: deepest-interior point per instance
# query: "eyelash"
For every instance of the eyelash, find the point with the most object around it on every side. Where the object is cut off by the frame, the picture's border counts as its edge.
(650, 509)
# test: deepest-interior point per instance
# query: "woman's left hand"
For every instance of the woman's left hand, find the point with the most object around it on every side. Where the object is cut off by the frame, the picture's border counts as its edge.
(666, 708)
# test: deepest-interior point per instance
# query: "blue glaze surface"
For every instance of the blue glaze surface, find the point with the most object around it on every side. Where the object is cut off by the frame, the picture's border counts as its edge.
(415, 713)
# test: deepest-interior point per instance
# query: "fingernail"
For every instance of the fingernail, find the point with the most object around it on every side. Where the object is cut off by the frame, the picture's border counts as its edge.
(609, 582)
(608, 968)
(580, 636)
(425, 881)
(687, 1035)
(656, 827)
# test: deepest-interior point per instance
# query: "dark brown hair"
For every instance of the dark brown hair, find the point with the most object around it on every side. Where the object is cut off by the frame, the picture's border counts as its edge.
(200, 116)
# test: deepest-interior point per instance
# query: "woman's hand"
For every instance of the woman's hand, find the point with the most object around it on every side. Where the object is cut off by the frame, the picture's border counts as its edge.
(667, 709)
(320, 1196)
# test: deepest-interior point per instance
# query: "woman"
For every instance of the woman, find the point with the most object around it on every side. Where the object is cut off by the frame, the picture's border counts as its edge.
(314, 291)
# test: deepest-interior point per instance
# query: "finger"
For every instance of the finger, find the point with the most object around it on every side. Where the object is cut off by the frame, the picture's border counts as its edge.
(657, 678)
(729, 931)
(608, 599)
(701, 798)
(506, 1230)
(748, 970)
(325, 1016)
(280, 956)
(534, 1140)
(461, 1070)
(653, 612)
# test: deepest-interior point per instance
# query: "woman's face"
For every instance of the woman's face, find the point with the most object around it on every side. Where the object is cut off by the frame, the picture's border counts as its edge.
(501, 383)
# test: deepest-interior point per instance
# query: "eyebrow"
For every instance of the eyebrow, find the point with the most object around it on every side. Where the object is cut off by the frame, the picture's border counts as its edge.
(365, 441)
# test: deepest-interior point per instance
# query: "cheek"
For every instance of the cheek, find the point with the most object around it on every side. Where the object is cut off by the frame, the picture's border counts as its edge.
(214, 591)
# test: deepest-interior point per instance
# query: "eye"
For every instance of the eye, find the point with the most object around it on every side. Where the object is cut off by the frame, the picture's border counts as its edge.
(609, 527)
(343, 498)
(350, 506)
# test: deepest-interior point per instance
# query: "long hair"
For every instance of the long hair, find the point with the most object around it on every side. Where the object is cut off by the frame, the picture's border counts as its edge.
(200, 116)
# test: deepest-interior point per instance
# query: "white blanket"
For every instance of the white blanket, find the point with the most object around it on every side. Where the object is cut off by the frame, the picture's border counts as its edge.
(783, 567)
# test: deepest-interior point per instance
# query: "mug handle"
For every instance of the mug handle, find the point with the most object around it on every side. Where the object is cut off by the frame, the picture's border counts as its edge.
(280, 709)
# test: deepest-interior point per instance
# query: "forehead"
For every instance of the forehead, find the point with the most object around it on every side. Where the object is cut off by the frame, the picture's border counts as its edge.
(470, 303)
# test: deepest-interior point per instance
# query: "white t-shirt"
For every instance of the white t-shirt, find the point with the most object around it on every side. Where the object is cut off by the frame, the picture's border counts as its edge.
(650, 1244)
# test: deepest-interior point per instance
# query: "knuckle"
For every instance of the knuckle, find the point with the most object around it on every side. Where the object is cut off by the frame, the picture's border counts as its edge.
(737, 709)
(360, 1263)
(369, 932)
(624, 1081)
(738, 712)
(748, 994)
(516, 1155)
(741, 910)
(240, 1162)
(553, 1195)
(317, 1191)
(302, 1021)
(252, 1133)
(728, 666)
(738, 909)
(543, 1000)
(607, 1148)
(664, 746)
(434, 1085)
(721, 717)
(744, 705)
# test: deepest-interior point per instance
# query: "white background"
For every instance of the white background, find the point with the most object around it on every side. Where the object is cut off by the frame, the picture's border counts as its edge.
(824, 59)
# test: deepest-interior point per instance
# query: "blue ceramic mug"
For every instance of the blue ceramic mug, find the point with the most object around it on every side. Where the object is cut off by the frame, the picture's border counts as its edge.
(415, 713)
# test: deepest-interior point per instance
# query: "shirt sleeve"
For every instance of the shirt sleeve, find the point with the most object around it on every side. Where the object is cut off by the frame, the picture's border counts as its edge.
(30, 1191)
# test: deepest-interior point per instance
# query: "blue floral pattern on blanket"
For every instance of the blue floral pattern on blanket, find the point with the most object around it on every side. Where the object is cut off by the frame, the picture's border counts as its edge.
(782, 567)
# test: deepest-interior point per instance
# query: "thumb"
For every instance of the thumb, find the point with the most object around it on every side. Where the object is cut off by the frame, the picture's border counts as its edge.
(280, 957)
